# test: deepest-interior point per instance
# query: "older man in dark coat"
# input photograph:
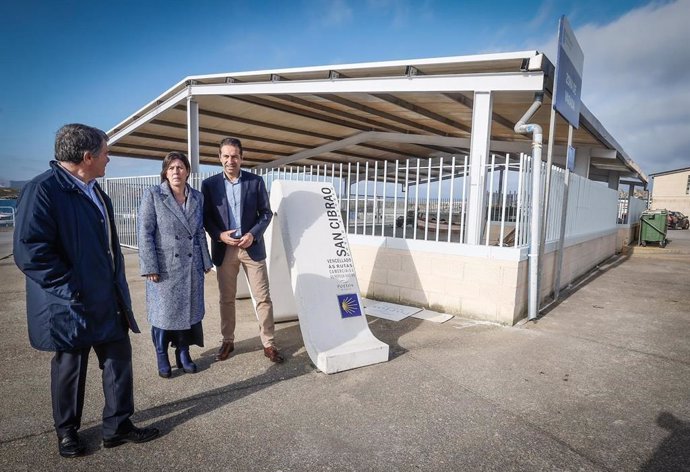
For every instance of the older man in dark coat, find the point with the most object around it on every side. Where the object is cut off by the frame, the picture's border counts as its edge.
(77, 296)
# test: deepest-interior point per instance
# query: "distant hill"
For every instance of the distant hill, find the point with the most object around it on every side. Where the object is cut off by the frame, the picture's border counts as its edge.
(8, 192)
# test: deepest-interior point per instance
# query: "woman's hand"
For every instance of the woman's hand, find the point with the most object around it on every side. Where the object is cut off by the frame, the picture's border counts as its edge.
(153, 277)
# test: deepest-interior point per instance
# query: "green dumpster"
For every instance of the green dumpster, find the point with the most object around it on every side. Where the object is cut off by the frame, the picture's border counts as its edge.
(653, 224)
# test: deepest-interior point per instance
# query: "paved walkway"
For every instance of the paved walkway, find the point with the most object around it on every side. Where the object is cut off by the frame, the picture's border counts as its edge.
(602, 382)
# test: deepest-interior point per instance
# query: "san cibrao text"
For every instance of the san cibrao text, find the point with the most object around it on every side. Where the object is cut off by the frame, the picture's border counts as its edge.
(334, 222)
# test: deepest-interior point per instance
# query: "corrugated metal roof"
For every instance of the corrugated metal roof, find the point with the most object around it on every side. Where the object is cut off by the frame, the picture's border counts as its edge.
(279, 113)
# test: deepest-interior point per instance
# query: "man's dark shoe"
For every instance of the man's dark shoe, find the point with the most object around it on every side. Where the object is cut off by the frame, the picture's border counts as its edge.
(225, 349)
(69, 445)
(135, 435)
(272, 353)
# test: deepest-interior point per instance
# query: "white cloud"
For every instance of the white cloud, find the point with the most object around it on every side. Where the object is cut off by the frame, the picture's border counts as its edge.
(403, 13)
(335, 13)
(543, 14)
(390, 5)
(636, 81)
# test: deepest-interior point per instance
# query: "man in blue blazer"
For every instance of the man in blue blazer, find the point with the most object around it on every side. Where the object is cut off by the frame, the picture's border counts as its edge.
(77, 298)
(236, 214)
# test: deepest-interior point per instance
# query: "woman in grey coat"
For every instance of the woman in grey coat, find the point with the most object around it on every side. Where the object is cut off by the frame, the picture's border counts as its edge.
(174, 257)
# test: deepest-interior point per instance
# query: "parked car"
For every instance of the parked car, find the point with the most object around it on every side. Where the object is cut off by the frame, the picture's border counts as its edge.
(677, 220)
(400, 220)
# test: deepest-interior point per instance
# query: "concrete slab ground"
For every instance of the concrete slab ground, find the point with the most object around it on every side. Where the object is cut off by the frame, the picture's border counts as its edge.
(600, 382)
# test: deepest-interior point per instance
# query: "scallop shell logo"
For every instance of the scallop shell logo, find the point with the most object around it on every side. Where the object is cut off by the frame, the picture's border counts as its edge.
(349, 305)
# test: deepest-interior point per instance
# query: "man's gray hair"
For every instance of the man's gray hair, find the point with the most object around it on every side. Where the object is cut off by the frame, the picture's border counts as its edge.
(72, 140)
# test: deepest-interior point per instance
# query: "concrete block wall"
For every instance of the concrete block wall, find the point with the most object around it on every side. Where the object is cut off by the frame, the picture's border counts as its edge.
(486, 283)
(439, 279)
(578, 259)
(627, 234)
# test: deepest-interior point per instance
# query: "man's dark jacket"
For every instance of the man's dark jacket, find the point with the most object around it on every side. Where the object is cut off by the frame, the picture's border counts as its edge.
(256, 213)
(76, 292)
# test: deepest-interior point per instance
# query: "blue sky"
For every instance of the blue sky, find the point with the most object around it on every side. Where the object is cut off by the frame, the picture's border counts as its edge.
(97, 62)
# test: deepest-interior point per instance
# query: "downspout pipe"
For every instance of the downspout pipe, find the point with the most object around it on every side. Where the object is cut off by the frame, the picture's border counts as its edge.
(523, 127)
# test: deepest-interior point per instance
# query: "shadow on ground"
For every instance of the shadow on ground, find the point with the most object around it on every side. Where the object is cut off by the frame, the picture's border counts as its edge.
(673, 453)
(169, 416)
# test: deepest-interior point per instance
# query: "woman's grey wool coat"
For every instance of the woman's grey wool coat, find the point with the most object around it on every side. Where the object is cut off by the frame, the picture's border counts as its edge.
(172, 244)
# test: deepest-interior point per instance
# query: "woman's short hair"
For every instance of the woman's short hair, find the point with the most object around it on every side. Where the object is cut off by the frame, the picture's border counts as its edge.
(172, 156)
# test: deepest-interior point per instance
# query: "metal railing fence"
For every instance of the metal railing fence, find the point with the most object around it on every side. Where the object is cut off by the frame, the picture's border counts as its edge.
(421, 199)
(7, 216)
(425, 199)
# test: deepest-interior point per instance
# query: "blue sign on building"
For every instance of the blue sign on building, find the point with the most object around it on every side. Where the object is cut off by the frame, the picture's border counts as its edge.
(568, 82)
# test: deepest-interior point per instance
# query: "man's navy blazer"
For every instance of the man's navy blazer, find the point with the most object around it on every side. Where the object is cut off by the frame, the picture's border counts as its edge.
(256, 213)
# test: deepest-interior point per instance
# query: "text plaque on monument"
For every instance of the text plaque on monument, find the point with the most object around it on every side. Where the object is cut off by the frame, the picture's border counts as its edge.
(322, 273)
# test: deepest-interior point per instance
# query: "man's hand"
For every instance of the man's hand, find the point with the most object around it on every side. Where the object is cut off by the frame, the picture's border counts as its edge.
(246, 240)
(226, 238)
(153, 277)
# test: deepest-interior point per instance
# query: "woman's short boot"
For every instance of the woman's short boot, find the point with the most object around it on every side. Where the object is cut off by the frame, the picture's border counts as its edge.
(184, 360)
(158, 336)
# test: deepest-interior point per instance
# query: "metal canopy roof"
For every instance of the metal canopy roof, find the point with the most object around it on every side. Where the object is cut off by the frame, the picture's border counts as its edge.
(370, 112)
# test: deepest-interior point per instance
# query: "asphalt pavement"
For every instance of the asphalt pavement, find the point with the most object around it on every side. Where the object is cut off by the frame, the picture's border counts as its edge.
(601, 382)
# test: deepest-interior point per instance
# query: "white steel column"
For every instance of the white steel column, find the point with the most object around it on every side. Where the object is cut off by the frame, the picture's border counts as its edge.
(631, 195)
(193, 133)
(582, 158)
(614, 178)
(479, 150)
